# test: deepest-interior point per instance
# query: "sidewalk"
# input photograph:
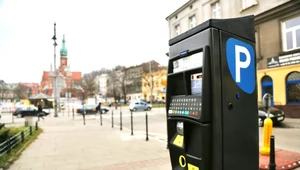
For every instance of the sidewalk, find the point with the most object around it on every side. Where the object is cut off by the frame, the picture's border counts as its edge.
(69, 145)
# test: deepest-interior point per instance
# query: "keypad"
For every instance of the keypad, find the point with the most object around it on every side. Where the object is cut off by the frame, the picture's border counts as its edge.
(185, 106)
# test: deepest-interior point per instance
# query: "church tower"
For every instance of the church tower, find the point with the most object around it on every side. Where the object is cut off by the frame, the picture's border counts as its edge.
(63, 54)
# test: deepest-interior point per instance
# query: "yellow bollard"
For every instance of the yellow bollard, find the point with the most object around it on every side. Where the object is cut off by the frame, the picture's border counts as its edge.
(268, 130)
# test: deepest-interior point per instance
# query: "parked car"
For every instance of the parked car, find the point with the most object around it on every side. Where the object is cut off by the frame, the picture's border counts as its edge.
(139, 106)
(91, 109)
(27, 111)
(276, 115)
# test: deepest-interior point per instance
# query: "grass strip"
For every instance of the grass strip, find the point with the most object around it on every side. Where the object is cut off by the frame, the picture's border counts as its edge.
(8, 159)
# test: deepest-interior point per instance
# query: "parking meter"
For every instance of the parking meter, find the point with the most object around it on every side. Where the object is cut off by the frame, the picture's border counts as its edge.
(267, 101)
(212, 97)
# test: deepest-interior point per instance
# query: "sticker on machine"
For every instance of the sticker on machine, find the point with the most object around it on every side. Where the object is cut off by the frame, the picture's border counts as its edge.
(241, 63)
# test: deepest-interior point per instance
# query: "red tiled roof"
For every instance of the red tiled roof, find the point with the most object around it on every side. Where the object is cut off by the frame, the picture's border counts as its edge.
(76, 75)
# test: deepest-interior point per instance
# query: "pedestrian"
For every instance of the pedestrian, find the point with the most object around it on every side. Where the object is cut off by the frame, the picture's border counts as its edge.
(40, 111)
(98, 108)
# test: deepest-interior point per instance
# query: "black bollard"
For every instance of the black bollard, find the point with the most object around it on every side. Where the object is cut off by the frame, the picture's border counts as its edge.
(100, 118)
(131, 122)
(272, 164)
(120, 120)
(12, 116)
(73, 113)
(112, 119)
(147, 138)
(83, 115)
(36, 125)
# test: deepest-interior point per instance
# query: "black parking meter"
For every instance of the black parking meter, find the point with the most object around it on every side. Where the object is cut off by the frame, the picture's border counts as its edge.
(212, 97)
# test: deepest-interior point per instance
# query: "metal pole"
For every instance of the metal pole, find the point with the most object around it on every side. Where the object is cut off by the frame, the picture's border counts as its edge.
(73, 113)
(150, 79)
(83, 114)
(100, 117)
(83, 117)
(112, 119)
(147, 138)
(12, 116)
(55, 99)
(131, 118)
(68, 104)
(120, 120)
(272, 164)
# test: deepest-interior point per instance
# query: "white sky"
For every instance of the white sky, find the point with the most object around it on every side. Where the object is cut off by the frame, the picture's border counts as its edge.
(98, 34)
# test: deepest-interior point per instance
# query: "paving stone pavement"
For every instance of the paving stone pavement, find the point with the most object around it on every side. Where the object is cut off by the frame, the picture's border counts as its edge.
(69, 145)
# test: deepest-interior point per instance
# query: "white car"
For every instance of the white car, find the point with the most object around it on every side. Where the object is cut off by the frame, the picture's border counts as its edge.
(139, 106)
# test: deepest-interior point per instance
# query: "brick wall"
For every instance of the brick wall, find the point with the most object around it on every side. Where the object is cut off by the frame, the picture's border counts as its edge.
(291, 111)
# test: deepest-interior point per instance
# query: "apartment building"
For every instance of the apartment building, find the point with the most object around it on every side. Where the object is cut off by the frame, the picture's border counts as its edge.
(159, 75)
(134, 79)
(277, 33)
(101, 82)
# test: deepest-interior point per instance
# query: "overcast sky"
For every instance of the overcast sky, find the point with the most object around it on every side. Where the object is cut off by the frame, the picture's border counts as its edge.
(98, 34)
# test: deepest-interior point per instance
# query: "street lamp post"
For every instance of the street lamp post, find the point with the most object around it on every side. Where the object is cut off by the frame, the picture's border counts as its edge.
(55, 99)
(29, 91)
(151, 82)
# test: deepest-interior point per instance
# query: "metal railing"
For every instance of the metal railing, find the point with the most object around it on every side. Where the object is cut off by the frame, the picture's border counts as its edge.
(10, 143)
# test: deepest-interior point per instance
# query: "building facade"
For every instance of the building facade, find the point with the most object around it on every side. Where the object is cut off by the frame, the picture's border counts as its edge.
(159, 75)
(10, 92)
(277, 34)
(134, 79)
(101, 82)
(68, 83)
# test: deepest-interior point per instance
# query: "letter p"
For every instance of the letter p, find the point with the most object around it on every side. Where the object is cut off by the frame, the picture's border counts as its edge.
(240, 64)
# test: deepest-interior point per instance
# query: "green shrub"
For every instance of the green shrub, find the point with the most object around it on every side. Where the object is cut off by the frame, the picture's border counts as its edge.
(8, 132)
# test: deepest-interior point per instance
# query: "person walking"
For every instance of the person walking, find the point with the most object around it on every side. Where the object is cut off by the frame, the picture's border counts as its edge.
(40, 111)
(98, 108)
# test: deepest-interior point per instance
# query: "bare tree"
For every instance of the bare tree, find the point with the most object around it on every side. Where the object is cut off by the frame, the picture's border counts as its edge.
(89, 85)
(116, 83)
(3, 89)
(21, 92)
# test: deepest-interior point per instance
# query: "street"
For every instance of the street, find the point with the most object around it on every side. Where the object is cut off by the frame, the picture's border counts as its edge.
(65, 130)
(285, 138)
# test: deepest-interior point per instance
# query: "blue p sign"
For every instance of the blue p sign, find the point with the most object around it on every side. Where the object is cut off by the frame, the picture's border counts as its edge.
(240, 60)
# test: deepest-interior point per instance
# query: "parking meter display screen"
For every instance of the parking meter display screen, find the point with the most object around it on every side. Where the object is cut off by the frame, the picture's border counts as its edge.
(196, 84)
(189, 62)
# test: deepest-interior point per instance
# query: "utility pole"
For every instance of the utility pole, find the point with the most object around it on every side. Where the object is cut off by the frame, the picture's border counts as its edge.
(55, 99)
(151, 83)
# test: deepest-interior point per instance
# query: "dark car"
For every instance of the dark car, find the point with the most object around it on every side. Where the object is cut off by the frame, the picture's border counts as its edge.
(276, 115)
(27, 111)
(91, 109)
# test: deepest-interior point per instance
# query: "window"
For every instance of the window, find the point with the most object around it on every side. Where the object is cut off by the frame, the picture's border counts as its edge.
(216, 10)
(293, 88)
(177, 30)
(248, 3)
(192, 21)
(291, 34)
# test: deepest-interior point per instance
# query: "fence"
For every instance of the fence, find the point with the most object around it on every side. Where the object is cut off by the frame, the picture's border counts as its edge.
(10, 143)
